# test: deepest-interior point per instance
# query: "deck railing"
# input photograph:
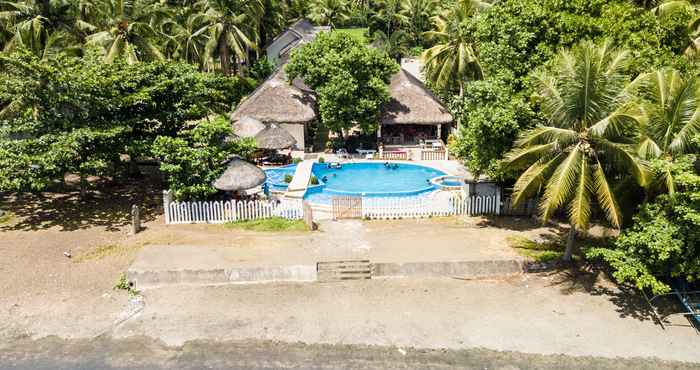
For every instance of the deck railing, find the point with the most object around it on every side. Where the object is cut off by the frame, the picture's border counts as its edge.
(433, 155)
(216, 212)
(394, 155)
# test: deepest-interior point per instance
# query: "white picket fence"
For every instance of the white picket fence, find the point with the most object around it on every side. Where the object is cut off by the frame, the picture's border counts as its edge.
(419, 207)
(216, 212)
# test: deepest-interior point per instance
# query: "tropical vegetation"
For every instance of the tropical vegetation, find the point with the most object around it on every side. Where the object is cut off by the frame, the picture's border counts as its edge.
(589, 105)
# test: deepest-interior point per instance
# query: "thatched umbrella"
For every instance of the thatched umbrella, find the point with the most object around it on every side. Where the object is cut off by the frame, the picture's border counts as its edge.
(274, 137)
(240, 175)
(247, 126)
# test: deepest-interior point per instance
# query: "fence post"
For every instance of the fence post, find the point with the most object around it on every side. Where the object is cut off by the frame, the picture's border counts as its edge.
(167, 199)
(498, 200)
(447, 153)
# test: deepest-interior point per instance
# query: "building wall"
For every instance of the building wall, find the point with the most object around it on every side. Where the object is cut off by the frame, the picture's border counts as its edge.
(297, 130)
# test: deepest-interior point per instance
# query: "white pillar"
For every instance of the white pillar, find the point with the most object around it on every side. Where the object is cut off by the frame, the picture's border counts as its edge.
(379, 131)
(439, 131)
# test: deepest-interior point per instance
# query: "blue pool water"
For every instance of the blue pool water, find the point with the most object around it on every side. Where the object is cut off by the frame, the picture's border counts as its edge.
(371, 179)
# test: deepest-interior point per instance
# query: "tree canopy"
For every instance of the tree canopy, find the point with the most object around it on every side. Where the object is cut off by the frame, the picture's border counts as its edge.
(350, 79)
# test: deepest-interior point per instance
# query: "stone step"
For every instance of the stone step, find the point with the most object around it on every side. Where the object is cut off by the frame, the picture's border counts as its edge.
(343, 270)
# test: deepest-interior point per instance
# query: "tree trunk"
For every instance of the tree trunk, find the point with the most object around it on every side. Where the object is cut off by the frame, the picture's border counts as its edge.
(223, 53)
(83, 186)
(570, 244)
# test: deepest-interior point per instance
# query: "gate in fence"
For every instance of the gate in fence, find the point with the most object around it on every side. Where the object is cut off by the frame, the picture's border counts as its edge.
(346, 207)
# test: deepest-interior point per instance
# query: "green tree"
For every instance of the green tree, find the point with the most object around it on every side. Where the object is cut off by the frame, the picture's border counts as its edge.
(453, 60)
(329, 12)
(672, 117)
(576, 158)
(663, 242)
(197, 156)
(491, 116)
(71, 115)
(350, 79)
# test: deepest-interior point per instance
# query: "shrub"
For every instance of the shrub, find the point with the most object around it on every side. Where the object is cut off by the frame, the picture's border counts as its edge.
(288, 178)
(314, 180)
(321, 160)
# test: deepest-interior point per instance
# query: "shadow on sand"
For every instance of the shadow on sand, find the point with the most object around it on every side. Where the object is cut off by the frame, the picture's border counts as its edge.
(107, 206)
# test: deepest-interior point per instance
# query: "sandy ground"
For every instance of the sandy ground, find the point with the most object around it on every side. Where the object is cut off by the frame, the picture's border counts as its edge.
(45, 293)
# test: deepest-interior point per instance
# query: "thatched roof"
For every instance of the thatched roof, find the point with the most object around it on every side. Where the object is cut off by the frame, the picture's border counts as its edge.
(274, 137)
(247, 126)
(412, 103)
(278, 101)
(240, 175)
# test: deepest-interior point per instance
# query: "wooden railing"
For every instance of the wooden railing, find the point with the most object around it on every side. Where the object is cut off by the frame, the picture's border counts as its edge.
(433, 155)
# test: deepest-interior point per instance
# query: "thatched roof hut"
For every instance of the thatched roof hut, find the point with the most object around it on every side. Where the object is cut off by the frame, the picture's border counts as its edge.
(412, 103)
(240, 175)
(247, 126)
(278, 101)
(274, 137)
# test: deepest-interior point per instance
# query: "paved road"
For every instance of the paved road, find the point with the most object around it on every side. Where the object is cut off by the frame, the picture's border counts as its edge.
(144, 353)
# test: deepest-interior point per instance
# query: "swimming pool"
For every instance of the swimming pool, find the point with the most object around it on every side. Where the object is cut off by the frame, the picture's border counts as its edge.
(370, 179)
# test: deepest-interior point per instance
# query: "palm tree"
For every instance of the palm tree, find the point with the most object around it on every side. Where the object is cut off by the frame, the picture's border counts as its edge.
(418, 14)
(187, 37)
(232, 28)
(671, 106)
(329, 12)
(582, 151)
(388, 15)
(128, 29)
(395, 45)
(43, 27)
(453, 60)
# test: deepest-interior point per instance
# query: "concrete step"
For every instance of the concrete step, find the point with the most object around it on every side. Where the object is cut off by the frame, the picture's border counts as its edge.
(343, 270)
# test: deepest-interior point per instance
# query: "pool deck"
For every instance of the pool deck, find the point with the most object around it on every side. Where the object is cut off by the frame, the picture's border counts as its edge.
(300, 181)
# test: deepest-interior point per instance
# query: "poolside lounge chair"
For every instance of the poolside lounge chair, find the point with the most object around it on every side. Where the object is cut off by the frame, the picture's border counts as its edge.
(342, 153)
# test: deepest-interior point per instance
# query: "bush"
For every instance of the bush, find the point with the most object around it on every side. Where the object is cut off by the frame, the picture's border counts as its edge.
(314, 180)
(288, 178)
(321, 160)
(297, 160)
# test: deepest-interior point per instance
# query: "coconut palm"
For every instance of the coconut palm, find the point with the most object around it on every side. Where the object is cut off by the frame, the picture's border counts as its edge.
(395, 45)
(671, 106)
(329, 12)
(577, 157)
(418, 14)
(388, 15)
(232, 30)
(453, 60)
(128, 29)
(186, 37)
(42, 27)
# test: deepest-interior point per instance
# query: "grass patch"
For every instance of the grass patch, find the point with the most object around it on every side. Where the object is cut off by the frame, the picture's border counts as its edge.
(103, 251)
(356, 33)
(124, 284)
(539, 252)
(7, 217)
(269, 224)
